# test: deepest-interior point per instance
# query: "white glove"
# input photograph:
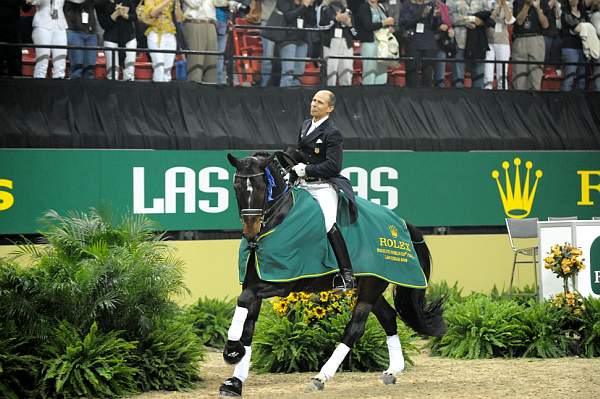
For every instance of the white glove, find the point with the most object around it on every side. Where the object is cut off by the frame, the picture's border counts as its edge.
(300, 169)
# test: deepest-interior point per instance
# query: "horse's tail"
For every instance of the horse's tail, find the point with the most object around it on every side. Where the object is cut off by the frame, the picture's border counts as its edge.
(425, 318)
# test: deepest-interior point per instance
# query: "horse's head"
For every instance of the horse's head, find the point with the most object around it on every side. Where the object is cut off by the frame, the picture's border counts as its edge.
(251, 190)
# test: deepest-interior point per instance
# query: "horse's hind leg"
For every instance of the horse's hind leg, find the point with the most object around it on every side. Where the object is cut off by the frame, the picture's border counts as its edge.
(387, 318)
(369, 291)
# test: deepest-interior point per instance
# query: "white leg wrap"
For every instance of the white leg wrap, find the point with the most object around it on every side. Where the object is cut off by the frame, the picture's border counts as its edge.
(237, 324)
(395, 353)
(243, 367)
(339, 354)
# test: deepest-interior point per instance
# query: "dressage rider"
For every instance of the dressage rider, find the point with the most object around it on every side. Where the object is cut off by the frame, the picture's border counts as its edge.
(321, 145)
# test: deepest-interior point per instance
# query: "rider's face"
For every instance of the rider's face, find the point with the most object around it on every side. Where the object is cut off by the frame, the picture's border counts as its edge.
(319, 106)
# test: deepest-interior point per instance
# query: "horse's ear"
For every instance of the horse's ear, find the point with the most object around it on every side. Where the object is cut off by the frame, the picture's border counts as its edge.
(232, 160)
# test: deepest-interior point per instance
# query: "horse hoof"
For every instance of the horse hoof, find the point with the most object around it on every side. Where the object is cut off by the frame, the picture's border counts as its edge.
(231, 387)
(233, 352)
(388, 379)
(315, 384)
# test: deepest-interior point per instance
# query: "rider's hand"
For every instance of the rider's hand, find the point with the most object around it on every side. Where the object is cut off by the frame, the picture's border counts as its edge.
(300, 169)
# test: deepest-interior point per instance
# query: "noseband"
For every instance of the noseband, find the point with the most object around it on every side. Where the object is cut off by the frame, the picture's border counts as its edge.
(251, 211)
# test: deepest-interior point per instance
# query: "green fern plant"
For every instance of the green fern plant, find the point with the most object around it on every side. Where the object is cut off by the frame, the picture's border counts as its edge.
(18, 370)
(212, 318)
(452, 294)
(481, 328)
(169, 357)
(590, 327)
(546, 330)
(92, 365)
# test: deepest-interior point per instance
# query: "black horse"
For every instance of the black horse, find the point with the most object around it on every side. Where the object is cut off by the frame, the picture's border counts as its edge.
(263, 206)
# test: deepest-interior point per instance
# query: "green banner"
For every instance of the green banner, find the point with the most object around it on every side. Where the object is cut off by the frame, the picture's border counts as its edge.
(191, 190)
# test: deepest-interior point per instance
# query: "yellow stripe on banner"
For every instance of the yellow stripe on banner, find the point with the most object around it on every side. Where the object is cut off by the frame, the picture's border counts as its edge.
(304, 276)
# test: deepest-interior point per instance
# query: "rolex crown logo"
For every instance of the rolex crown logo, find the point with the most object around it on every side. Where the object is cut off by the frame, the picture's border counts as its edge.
(393, 230)
(518, 199)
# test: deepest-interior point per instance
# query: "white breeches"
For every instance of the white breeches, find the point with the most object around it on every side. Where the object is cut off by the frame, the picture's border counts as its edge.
(129, 70)
(327, 198)
(42, 55)
(498, 52)
(162, 62)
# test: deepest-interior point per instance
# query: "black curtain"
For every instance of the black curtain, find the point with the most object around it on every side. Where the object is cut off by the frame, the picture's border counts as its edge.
(182, 115)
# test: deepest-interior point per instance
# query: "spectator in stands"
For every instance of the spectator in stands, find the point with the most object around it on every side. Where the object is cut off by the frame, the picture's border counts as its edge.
(371, 17)
(573, 13)
(499, 45)
(528, 42)
(222, 14)
(446, 44)
(161, 35)
(268, 46)
(10, 57)
(417, 17)
(462, 14)
(81, 19)
(337, 37)
(200, 31)
(299, 14)
(49, 27)
(595, 20)
(552, 35)
(118, 22)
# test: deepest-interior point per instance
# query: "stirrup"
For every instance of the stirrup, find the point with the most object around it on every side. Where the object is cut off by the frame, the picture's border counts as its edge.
(343, 285)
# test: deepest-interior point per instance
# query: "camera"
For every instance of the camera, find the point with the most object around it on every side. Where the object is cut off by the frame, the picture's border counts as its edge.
(239, 6)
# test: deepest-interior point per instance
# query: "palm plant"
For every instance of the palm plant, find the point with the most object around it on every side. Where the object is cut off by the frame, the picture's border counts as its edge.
(119, 276)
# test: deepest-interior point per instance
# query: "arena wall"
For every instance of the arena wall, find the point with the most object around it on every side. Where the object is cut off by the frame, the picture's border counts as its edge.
(476, 262)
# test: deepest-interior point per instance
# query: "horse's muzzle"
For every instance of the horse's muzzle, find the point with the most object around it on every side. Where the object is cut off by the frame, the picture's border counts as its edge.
(252, 221)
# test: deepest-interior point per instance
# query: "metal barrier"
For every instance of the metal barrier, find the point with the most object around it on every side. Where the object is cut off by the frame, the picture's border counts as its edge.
(230, 59)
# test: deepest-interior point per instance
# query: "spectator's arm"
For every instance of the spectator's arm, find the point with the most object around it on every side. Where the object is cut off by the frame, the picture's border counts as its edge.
(541, 13)
(508, 15)
(522, 10)
(156, 8)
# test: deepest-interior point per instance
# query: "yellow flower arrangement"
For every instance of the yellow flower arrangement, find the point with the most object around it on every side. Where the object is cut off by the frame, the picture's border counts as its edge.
(564, 260)
(311, 308)
(570, 300)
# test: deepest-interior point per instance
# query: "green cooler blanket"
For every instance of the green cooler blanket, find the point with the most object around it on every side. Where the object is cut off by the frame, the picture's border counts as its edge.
(378, 242)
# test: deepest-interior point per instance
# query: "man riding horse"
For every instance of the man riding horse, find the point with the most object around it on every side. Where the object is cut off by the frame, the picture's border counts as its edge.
(320, 146)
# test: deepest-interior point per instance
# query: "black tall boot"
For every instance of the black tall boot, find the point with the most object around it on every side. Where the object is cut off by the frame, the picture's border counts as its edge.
(343, 259)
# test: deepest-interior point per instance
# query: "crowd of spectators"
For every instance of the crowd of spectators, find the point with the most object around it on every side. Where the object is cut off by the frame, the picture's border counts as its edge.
(539, 33)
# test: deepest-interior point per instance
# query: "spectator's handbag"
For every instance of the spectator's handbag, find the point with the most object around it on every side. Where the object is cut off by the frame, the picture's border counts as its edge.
(141, 14)
(387, 47)
(446, 43)
(275, 19)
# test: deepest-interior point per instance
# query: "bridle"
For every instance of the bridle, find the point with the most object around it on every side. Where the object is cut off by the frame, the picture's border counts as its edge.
(252, 211)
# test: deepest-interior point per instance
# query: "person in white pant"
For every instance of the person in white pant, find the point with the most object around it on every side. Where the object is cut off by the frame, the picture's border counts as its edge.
(49, 27)
(118, 22)
(499, 47)
(161, 35)
(321, 145)
(335, 22)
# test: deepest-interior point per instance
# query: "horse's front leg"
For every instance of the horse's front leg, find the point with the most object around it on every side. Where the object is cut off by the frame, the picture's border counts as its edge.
(238, 349)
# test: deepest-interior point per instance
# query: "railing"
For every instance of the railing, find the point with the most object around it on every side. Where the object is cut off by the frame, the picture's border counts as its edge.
(232, 60)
